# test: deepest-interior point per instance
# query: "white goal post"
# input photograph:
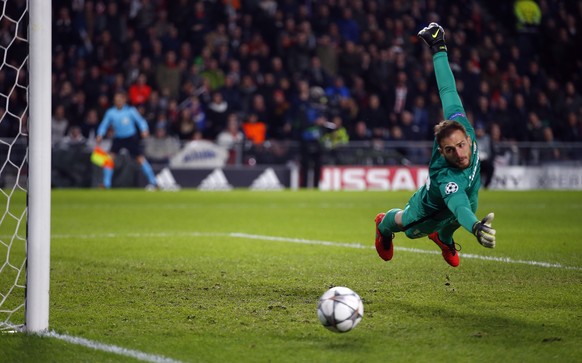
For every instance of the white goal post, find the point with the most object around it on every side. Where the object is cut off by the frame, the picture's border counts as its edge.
(25, 164)
(39, 167)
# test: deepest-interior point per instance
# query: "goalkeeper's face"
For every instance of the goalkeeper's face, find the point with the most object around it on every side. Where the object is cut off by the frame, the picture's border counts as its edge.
(456, 149)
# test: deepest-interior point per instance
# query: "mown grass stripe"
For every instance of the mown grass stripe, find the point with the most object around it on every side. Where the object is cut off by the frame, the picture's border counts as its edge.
(317, 242)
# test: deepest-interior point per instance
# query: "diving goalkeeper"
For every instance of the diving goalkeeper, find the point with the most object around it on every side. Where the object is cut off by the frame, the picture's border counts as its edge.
(449, 198)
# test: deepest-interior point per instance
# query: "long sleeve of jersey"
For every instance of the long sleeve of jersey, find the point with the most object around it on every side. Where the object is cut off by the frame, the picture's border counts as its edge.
(140, 121)
(450, 100)
(460, 206)
(105, 124)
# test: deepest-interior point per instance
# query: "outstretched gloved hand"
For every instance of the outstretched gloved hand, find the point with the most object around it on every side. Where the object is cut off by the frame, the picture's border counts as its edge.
(484, 232)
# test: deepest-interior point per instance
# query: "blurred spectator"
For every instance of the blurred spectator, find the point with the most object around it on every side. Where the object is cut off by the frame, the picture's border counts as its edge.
(528, 19)
(502, 156)
(168, 74)
(326, 52)
(311, 117)
(411, 131)
(573, 133)
(59, 124)
(247, 89)
(279, 123)
(73, 138)
(254, 129)
(337, 91)
(216, 115)
(535, 127)
(143, 14)
(349, 60)
(90, 124)
(421, 118)
(336, 134)
(572, 101)
(551, 153)
(361, 132)
(64, 35)
(518, 130)
(213, 74)
(399, 97)
(486, 154)
(258, 106)
(349, 28)
(231, 138)
(140, 91)
(185, 127)
(161, 147)
(232, 134)
(231, 94)
(199, 25)
(376, 118)
(316, 74)
(196, 114)
(482, 113)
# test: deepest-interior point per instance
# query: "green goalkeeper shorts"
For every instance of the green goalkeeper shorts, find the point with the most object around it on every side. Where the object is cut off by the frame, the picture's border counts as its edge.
(419, 220)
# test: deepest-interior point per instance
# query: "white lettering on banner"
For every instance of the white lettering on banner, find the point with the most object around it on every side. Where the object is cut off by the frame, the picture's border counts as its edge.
(372, 178)
(402, 180)
(353, 179)
(199, 154)
(528, 178)
(378, 179)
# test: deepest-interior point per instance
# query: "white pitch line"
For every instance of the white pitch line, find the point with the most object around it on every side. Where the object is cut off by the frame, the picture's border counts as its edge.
(145, 357)
(322, 243)
(406, 249)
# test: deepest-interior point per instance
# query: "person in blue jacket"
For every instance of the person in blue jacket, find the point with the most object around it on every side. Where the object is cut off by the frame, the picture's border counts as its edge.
(129, 127)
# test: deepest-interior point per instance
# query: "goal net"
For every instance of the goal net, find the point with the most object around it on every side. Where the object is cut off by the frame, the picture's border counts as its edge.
(25, 158)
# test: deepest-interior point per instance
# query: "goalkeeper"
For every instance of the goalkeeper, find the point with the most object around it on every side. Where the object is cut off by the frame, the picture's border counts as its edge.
(449, 198)
(126, 122)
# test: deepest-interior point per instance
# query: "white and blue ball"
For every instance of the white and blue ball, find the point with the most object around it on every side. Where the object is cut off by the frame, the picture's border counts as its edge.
(340, 309)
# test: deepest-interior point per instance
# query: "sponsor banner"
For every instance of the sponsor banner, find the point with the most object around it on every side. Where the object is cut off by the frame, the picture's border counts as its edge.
(255, 178)
(411, 178)
(199, 154)
(527, 178)
(372, 178)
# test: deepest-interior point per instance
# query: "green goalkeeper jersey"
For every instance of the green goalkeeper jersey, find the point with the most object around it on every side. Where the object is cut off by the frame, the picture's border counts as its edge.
(450, 188)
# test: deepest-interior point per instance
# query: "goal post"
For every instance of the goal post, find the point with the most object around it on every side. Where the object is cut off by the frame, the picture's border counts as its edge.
(39, 167)
(25, 164)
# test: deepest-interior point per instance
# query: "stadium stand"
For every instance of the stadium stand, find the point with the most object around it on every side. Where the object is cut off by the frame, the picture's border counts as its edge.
(312, 59)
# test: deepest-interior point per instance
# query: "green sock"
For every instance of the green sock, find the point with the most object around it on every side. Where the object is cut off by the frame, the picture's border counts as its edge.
(388, 224)
(446, 233)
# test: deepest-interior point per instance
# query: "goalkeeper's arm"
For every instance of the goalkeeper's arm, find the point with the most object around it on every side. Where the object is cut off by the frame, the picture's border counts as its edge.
(459, 205)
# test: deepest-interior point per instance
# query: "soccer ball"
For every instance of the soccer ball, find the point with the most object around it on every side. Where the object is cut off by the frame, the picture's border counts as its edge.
(340, 309)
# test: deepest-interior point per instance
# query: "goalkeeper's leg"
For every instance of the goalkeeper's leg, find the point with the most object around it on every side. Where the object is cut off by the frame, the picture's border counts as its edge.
(386, 225)
(443, 237)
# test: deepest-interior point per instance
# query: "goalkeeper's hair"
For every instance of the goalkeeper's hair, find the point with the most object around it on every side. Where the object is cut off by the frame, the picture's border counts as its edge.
(445, 129)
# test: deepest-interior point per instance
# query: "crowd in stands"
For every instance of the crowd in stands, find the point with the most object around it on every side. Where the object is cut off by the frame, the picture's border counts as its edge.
(296, 70)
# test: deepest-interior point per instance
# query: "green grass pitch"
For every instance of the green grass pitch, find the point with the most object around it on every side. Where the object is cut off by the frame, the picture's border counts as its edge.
(194, 276)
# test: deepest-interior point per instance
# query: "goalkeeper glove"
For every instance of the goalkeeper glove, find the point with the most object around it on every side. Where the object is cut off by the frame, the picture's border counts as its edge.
(434, 36)
(483, 231)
